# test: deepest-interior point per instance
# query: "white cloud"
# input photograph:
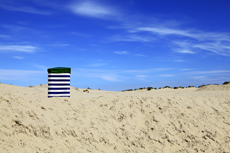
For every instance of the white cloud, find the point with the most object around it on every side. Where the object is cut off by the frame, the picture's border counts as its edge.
(146, 70)
(126, 53)
(217, 47)
(199, 77)
(213, 47)
(42, 67)
(19, 74)
(122, 52)
(15, 27)
(18, 57)
(228, 47)
(81, 34)
(208, 72)
(17, 48)
(92, 9)
(179, 61)
(4, 36)
(135, 71)
(185, 69)
(195, 40)
(195, 34)
(132, 38)
(97, 64)
(166, 31)
(140, 55)
(115, 75)
(166, 75)
(59, 45)
(110, 77)
(141, 77)
(186, 52)
(24, 9)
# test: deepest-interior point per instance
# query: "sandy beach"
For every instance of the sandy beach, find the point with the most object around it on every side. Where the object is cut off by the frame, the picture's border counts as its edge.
(157, 121)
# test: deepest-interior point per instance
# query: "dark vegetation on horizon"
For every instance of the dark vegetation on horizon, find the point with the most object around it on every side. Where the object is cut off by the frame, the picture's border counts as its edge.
(180, 87)
(150, 88)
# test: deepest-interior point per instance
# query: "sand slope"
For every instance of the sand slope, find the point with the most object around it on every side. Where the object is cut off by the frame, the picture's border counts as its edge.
(165, 120)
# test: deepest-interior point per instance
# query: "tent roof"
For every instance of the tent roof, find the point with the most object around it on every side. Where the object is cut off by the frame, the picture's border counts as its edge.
(59, 70)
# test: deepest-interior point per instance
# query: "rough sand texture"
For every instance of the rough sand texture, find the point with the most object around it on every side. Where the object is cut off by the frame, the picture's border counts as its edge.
(156, 121)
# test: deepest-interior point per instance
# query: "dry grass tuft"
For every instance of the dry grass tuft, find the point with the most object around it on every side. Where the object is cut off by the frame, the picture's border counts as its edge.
(225, 83)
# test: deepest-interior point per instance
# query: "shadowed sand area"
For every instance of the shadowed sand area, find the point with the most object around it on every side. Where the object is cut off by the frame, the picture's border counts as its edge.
(165, 121)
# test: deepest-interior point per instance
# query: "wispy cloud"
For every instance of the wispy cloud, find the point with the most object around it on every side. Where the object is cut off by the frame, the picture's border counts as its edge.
(167, 75)
(150, 70)
(165, 31)
(14, 27)
(141, 77)
(179, 40)
(18, 57)
(186, 51)
(199, 77)
(141, 55)
(122, 52)
(26, 9)
(131, 38)
(195, 34)
(97, 64)
(92, 9)
(227, 47)
(127, 53)
(108, 75)
(18, 48)
(41, 67)
(81, 34)
(4, 36)
(185, 69)
(179, 61)
(18, 74)
(59, 45)
(208, 72)
(116, 75)
(214, 46)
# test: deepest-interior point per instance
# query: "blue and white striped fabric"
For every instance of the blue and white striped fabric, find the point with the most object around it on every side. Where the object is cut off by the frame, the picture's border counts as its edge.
(58, 85)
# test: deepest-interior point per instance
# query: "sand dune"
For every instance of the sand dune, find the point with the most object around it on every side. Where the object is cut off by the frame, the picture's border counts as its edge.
(165, 121)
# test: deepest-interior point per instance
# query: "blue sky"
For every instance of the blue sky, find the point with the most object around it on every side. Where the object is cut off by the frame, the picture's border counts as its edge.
(116, 45)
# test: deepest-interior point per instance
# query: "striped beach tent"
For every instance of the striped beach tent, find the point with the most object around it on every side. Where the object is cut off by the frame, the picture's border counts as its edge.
(59, 82)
